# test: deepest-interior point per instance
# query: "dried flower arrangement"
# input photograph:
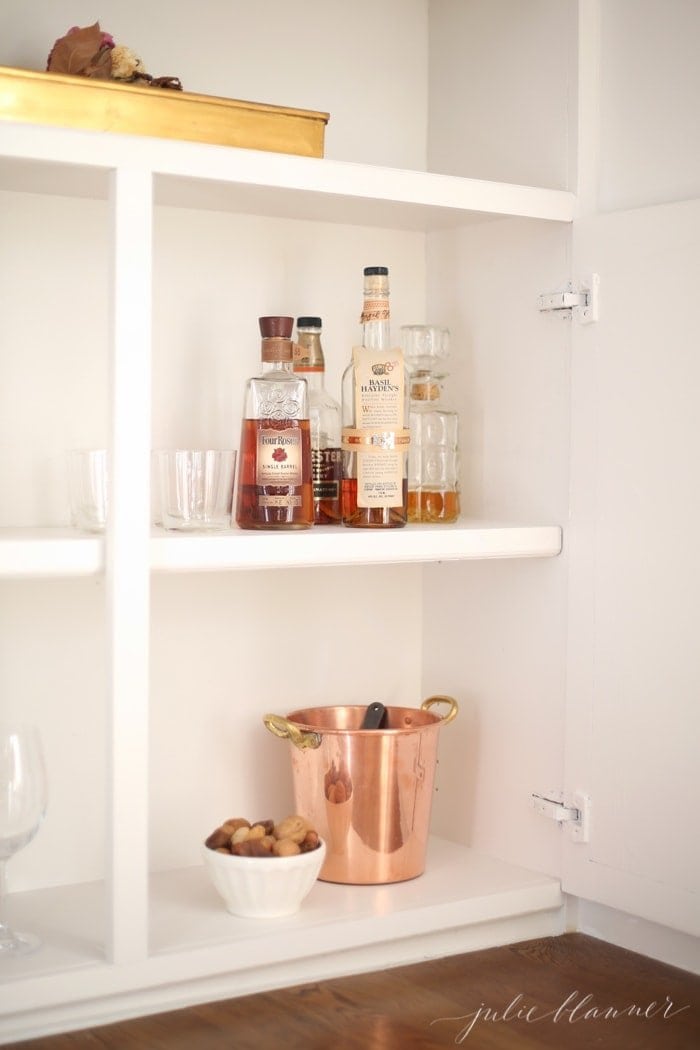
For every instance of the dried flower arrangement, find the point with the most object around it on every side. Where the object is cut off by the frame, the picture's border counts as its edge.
(93, 83)
(89, 52)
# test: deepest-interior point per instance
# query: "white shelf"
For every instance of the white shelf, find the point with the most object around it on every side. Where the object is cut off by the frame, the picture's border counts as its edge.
(197, 175)
(340, 546)
(460, 887)
(49, 552)
(62, 552)
(194, 938)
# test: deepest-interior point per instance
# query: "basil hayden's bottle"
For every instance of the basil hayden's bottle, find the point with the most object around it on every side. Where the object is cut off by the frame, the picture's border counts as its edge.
(376, 407)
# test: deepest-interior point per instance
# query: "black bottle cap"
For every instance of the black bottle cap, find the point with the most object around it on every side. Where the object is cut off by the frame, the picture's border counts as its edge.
(279, 327)
(309, 322)
(381, 271)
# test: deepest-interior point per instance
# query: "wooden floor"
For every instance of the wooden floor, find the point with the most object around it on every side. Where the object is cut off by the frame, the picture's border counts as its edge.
(563, 993)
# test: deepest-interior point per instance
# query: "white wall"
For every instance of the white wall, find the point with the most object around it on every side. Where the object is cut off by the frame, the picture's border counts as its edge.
(503, 90)
(650, 102)
(364, 63)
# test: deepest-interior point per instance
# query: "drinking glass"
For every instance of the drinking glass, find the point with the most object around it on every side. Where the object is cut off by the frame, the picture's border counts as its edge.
(23, 799)
(87, 488)
(196, 488)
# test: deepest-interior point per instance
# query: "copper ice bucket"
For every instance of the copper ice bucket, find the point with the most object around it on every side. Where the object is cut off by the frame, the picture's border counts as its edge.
(368, 792)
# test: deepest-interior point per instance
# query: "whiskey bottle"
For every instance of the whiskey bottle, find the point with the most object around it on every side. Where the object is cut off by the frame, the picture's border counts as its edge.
(433, 460)
(274, 482)
(376, 434)
(324, 414)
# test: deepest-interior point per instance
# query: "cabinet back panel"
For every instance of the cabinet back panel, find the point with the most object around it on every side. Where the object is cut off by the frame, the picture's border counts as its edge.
(315, 643)
(54, 299)
(53, 672)
(216, 273)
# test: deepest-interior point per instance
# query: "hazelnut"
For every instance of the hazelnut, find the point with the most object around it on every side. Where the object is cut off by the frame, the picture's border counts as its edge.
(286, 848)
(234, 823)
(258, 850)
(257, 832)
(294, 828)
(240, 835)
(309, 842)
(218, 838)
(240, 849)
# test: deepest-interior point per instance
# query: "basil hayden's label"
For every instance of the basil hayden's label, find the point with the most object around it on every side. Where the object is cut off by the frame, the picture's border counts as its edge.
(380, 397)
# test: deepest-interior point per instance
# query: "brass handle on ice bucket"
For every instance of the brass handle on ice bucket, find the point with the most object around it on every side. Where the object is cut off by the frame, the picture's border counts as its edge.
(451, 714)
(282, 727)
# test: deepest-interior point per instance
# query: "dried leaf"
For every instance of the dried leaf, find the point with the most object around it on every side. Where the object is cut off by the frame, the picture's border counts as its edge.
(82, 52)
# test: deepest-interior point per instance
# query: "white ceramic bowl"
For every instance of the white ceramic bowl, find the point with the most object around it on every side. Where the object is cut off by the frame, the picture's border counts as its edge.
(264, 887)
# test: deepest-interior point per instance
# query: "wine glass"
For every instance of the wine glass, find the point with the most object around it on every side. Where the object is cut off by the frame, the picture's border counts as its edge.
(23, 797)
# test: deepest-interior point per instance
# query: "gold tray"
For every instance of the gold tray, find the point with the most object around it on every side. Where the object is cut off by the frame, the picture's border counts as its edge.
(30, 97)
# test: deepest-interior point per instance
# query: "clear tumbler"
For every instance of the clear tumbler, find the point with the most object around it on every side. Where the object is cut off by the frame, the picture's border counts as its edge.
(195, 488)
(87, 488)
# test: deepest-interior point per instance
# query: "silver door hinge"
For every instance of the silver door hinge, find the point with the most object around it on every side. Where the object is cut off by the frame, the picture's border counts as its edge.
(579, 302)
(574, 811)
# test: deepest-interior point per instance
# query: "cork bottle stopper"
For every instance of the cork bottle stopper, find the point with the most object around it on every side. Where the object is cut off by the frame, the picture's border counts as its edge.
(276, 327)
(276, 339)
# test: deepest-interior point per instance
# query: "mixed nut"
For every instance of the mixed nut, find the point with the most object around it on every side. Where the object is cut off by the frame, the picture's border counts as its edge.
(263, 838)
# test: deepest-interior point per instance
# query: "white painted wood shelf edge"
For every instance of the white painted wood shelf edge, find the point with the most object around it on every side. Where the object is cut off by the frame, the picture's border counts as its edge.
(26, 553)
(76, 163)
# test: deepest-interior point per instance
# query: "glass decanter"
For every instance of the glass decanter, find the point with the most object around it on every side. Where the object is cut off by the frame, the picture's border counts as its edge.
(433, 458)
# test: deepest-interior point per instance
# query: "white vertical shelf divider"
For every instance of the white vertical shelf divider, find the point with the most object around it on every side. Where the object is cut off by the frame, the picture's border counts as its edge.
(127, 564)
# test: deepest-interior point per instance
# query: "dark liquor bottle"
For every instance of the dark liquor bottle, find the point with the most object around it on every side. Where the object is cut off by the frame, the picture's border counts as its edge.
(324, 413)
(274, 480)
(376, 431)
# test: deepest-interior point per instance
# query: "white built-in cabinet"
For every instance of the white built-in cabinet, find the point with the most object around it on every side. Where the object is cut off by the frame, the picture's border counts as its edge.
(132, 273)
